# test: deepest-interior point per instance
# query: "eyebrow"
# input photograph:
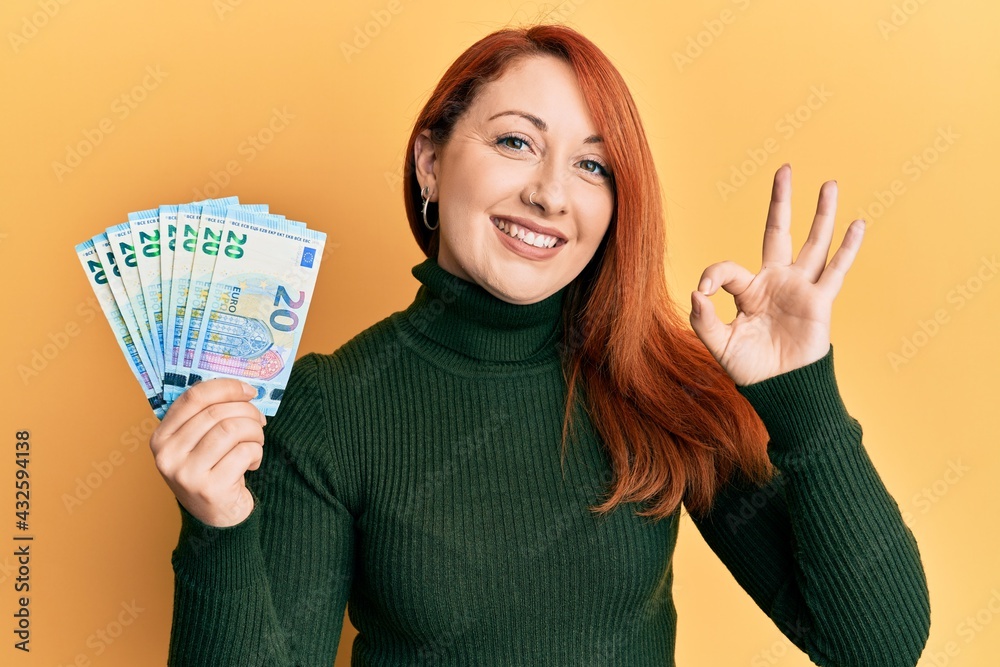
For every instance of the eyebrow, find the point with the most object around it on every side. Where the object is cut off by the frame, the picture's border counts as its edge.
(541, 125)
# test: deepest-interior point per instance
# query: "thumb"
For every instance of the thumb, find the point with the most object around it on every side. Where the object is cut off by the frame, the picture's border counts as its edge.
(707, 325)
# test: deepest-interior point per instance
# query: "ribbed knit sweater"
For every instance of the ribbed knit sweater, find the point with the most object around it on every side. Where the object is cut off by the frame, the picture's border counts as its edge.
(414, 475)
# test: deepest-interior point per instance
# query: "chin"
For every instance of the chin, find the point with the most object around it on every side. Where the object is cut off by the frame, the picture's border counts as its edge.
(522, 292)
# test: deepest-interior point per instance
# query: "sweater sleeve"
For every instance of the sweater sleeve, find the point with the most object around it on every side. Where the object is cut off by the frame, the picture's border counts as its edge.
(271, 590)
(822, 548)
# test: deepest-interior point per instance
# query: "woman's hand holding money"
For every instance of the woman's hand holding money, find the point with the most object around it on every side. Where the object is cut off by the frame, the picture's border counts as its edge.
(209, 438)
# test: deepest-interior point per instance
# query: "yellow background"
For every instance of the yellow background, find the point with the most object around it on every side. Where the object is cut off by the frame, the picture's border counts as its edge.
(896, 77)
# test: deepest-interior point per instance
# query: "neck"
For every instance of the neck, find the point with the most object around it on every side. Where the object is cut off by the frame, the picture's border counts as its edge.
(466, 319)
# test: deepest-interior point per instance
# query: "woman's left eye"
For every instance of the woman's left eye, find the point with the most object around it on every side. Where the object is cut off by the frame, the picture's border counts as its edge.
(588, 165)
(507, 138)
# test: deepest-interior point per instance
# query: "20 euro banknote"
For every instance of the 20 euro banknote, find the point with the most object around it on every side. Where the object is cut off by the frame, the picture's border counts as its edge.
(134, 354)
(262, 286)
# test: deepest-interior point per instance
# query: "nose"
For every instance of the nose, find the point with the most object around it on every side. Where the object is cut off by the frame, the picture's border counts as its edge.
(547, 192)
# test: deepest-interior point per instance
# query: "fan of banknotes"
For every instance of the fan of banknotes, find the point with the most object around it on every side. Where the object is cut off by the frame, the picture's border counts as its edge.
(203, 290)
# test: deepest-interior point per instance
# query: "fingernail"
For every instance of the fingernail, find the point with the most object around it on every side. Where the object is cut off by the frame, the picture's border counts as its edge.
(249, 391)
(705, 285)
(695, 306)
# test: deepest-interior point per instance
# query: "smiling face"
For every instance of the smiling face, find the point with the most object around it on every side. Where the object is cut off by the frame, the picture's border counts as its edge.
(529, 131)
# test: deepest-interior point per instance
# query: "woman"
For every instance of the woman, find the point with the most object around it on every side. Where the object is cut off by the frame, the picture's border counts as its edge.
(414, 471)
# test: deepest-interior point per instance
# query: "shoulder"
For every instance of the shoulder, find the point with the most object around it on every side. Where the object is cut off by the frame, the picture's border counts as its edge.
(354, 376)
(358, 363)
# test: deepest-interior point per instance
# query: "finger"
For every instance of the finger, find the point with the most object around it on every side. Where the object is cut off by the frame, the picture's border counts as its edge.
(232, 470)
(228, 503)
(833, 276)
(712, 331)
(220, 439)
(195, 398)
(812, 257)
(777, 232)
(255, 464)
(241, 457)
(182, 441)
(728, 275)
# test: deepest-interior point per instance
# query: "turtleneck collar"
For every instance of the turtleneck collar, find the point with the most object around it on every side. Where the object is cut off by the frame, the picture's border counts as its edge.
(464, 318)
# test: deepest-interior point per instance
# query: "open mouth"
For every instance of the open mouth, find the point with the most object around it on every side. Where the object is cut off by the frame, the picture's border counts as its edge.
(525, 236)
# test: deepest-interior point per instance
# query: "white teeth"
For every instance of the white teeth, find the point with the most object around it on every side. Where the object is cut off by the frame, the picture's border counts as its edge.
(536, 240)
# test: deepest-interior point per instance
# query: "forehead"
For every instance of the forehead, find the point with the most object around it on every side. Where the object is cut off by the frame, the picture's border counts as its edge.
(543, 85)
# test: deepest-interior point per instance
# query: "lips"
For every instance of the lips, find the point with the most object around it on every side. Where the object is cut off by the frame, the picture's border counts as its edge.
(530, 226)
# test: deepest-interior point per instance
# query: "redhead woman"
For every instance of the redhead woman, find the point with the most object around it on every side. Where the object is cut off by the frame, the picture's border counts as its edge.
(495, 474)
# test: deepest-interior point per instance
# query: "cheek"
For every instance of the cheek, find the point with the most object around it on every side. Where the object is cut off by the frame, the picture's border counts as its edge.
(597, 220)
(462, 225)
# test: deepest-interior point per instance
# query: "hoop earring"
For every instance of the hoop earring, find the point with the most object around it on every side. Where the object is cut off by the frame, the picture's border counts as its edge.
(423, 197)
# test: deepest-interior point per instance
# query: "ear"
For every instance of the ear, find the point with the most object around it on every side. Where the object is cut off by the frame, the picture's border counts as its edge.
(425, 162)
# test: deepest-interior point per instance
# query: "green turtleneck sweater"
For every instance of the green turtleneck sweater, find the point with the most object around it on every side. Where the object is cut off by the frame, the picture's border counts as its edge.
(414, 475)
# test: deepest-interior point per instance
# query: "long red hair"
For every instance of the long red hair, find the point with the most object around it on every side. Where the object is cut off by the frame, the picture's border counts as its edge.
(674, 425)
